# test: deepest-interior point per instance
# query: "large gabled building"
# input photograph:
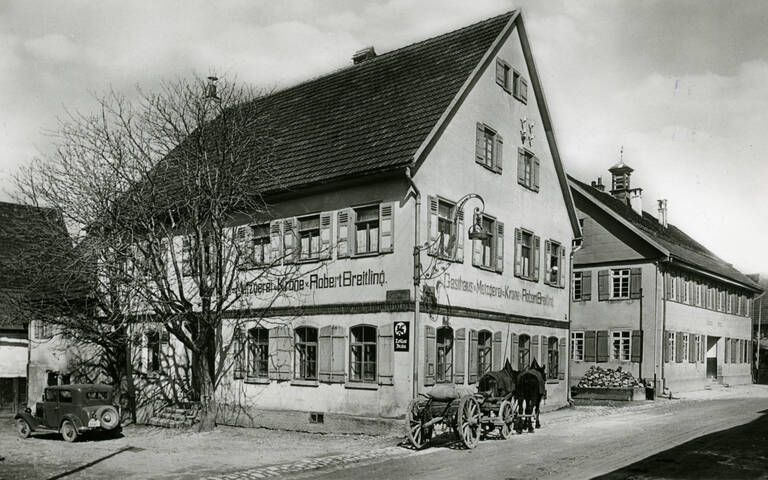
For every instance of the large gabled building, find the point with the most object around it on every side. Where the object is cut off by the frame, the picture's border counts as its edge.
(372, 161)
(650, 299)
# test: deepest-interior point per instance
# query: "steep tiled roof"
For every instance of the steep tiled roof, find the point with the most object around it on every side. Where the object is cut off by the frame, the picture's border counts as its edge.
(679, 244)
(367, 118)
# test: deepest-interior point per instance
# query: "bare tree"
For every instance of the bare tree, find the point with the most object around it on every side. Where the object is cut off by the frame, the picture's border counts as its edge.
(151, 190)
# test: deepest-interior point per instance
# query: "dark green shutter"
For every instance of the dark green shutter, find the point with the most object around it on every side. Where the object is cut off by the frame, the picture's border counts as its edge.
(602, 346)
(602, 285)
(590, 349)
(637, 345)
(635, 283)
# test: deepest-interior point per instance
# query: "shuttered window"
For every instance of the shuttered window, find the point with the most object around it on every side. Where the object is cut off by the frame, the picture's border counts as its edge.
(444, 367)
(488, 253)
(519, 87)
(309, 237)
(620, 283)
(305, 359)
(258, 352)
(528, 167)
(524, 352)
(577, 346)
(362, 354)
(527, 254)
(554, 259)
(484, 349)
(503, 74)
(621, 342)
(367, 230)
(488, 148)
(553, 359)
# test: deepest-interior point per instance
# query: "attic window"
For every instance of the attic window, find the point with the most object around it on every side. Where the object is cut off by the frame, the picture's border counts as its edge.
(363, 55)
(519, 87)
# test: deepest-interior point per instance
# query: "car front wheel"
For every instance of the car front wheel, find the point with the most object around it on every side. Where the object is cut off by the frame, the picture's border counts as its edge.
(68, 431)
(23, 428)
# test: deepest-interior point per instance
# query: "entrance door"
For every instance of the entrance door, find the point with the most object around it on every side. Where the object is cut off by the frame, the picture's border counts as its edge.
(712, 357)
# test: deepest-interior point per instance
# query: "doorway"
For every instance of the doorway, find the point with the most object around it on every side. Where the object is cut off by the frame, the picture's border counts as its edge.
(712, 357)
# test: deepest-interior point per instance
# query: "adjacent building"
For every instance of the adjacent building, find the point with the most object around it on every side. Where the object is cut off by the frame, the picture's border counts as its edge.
(650, 299)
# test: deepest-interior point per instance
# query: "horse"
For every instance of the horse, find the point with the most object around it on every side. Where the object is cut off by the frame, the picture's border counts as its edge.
(529, 390)
(499, 383)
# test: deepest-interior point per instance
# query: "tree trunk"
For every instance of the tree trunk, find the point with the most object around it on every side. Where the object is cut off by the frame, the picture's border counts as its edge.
(208, 404)
(130, 387)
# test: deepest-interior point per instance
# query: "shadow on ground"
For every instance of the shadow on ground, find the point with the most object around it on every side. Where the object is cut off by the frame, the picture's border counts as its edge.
(736, 453)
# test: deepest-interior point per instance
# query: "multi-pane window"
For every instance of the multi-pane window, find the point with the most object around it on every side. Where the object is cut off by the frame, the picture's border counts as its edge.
(484, 343)
(527, 169)
(367, 229)
(577, 286)
(686, 291)
(503, 74)
(671, 346)
(446, 228)
(620, 345)
(697, 346)
(258, 352)
(672, 287)
(153, 352)
(699, 290)
(362, 354)
(489, 149)
(524, 352)
(444, 372)
(305, 359)
(620, 283)
(261, 244)
(553, 263)
(486, 245)
(238, 350)
(684, 347)
(577, 346)
(720, 300)
(553, 359)
(519, 87)
(43, 330)
(526, 254)
(309, 237)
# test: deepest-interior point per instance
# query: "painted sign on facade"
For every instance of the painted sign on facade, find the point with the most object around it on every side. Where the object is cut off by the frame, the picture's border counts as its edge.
(505, 292)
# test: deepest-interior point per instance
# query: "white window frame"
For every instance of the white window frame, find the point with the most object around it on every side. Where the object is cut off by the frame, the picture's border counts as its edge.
(620, 274)
(671, 346)
(686, 346)
(697, 348)
(554, 254)
(577, 346)
(624, 337)
(578, 279)
(491, 229)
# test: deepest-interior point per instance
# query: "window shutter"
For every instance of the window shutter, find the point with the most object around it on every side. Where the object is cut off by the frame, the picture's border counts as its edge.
(480, 143)
(536, 256)
(692, 348)
(459, 236)
(243, 241)
(499, 246)
(338, 344)
(637, 345)
(472, 377)
(500, 73)
(518, 252)
(586, 285)
(727, 356)
(325, 235)
(523, 90)
(635, 283)
(536, 173)
(275, 240)
(343, 225)
(459, 346)
(280, 353)
(602, 345)
(521, 166)
(703, 351)
(324, 353)
(547, 261)
(496, 351)
(563, 268)
(386, 227)
(602, 285)
(432, 222)
(429, 355)
(678, 347)
(290, 239)
(535, 355)
(590, 346)
(385, 355)
(669, 281)
(666, 346)
(498, 159)
(514, 350)
(562, 357)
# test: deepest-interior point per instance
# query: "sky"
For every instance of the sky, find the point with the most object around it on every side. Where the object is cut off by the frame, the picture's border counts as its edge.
(681, 85)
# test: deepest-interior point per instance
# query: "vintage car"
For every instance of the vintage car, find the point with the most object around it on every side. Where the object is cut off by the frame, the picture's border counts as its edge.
(72, 410)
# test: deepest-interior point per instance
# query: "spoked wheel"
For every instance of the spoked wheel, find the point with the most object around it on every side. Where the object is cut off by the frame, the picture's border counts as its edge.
(68, 431)
(418, 435)
(23, 428)
(507, 415)
(468, 420)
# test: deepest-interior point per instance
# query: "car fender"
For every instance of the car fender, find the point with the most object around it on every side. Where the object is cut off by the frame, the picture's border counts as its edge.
(33, 422)
(74, 419)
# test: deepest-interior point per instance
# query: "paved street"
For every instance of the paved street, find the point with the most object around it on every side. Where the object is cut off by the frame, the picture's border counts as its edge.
(662, 439)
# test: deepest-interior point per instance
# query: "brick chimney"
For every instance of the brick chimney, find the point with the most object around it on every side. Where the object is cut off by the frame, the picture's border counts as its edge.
(663, 212)
(362, 55)
(598, 184)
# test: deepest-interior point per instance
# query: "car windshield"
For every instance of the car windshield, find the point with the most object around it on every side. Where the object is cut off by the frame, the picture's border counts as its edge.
(97, 395)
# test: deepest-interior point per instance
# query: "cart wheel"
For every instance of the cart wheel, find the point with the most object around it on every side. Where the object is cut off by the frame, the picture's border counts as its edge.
(507, 415)
(417, 434)
(468, 419)
(23, 428)
(68, 431)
